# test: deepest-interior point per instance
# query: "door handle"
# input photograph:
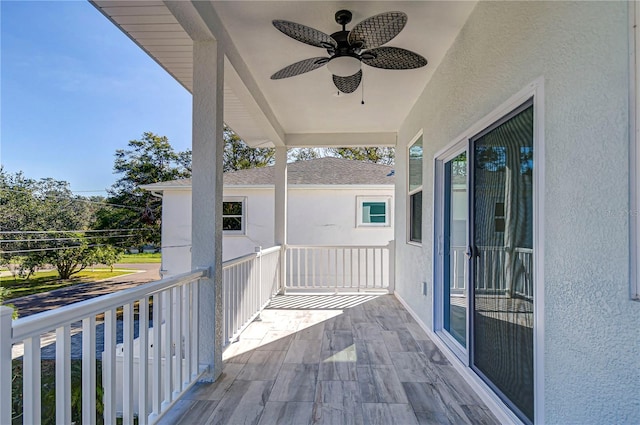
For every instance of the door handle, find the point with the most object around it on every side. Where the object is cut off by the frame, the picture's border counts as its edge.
(469, 253)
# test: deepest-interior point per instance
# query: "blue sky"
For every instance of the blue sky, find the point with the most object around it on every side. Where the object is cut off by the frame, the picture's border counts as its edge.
(74, 89)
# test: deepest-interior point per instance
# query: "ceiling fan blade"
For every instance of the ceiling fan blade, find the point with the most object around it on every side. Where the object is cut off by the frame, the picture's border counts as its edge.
(378, 29)
(393, 58)
(299, 68)
(305, 34)
(348, 84)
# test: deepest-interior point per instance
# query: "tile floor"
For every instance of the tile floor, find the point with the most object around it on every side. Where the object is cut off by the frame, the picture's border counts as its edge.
(333, 360)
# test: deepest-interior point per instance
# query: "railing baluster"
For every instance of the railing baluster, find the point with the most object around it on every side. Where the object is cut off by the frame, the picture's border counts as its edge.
(63, 375)
(186, 323)
(168, 346)
(143, 355)
(127, 364)
(335, 260)
(89, 370)
(177, 322)
(156, 368)
(31, 387)
(109, 367)
(298, 281)
(195, 318)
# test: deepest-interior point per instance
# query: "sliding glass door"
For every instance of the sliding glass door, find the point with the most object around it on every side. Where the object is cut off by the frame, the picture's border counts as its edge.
(485, 262)
(502, 229)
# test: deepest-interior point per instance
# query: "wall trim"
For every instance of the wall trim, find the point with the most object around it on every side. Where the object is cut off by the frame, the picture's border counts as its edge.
(493, 402)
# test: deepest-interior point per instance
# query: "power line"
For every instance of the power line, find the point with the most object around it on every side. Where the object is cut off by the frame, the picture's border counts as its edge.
(20, 251)
(76, 199)
(16, 232)
(65, 239)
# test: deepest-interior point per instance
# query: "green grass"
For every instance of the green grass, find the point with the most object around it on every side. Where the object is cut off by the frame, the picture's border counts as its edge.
(48, 404)
(48, 281)
(140, 258)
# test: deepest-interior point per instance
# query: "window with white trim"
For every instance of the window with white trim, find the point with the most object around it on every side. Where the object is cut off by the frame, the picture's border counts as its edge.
(415, 191)
(373, 211)
(233, 215)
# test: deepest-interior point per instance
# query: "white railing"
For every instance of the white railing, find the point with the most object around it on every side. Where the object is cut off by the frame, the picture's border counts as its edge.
(248, 283)
(490, 271)
(340, 268)
(172, 302)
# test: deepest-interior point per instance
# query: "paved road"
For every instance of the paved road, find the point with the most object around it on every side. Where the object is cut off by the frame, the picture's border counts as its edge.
(37, 303)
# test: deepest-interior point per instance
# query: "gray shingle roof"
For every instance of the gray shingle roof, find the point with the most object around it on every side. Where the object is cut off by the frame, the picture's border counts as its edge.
(321, 171)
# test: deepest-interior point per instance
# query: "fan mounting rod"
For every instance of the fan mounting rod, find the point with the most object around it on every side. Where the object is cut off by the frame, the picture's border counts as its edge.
(343, 17)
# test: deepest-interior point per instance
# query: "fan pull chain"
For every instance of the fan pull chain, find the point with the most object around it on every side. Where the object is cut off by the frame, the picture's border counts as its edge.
(362, 102)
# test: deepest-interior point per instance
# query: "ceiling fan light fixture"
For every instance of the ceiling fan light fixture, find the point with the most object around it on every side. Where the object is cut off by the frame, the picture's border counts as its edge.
(344, 66)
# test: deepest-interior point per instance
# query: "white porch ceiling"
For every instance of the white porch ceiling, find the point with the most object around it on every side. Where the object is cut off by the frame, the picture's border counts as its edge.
(302, 110)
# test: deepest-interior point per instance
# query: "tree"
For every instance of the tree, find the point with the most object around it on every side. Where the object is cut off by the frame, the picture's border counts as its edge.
(43, 222)
(71, 260)
(238, 155)
(107, 255)
(304, 154)
(377, 155)
(148, 160)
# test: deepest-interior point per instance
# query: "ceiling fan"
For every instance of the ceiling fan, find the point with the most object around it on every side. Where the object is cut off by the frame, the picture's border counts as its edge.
(348, 49)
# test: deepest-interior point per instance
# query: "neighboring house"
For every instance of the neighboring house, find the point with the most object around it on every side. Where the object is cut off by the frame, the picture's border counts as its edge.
(331, 201)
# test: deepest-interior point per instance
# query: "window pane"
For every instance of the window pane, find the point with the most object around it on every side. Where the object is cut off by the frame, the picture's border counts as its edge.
(415, 221)
(232, 208)
(374, 212)
(377, 219)
(374, 207)
(231, 223)
(415, 165)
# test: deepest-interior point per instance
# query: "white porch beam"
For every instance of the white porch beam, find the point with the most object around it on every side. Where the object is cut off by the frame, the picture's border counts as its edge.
(206, 233)
(248, 91)
(190, 21)
(343, 140)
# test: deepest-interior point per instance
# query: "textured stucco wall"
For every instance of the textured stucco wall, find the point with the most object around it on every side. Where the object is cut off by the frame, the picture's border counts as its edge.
(328, 217)
(176, 232)
(591, 328)
(316, 217)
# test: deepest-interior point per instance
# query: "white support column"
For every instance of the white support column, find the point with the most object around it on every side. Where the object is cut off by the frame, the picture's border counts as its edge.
(206, 233)
(280, 228)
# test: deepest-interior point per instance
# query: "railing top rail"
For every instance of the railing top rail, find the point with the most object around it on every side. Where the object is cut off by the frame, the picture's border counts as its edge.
(270, 250)
(337, 246)
(47, 320)
(245, 258)
(239, 260)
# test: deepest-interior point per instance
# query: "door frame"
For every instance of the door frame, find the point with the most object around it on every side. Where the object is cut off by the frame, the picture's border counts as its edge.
(533, 90)
(439, 219)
